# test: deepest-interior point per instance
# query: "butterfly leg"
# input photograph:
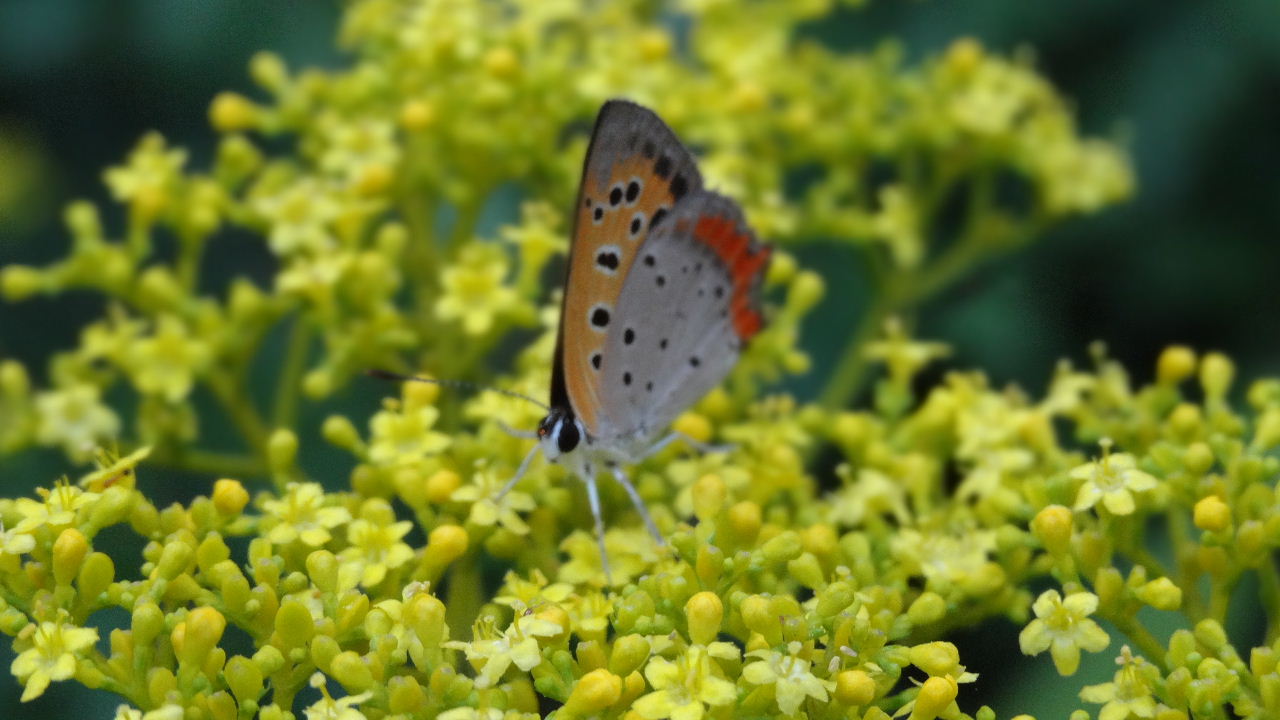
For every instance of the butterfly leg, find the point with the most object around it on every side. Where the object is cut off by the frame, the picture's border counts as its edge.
(593, 496)
(520, 471)
(702, 447)
(622, 479)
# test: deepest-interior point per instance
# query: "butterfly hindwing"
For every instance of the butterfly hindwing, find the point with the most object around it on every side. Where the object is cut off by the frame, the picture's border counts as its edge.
(635, 172)
(688, 306)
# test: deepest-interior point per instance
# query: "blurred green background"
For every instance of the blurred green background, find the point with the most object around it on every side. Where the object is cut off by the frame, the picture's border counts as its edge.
(1192, 88)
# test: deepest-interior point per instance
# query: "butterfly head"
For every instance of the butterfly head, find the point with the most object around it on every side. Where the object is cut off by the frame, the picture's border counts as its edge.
(560, 432)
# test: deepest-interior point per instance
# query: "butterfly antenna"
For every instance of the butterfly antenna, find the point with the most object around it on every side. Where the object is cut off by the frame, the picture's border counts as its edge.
(388, 375)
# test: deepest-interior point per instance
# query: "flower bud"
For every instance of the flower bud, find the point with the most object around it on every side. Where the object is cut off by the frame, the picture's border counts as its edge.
(928, 608)
(744, 521)
(404, 695)
(221, 706)
(268, 659)
(147, 623)
(282, 450)
(174, 560)
(936, 658)
(96, 575)
(628, 654)
(1161, 594)
(807, 571)
(709, 494)
(323, 650)
(594, 692)
(417, 115)
(693, 425)
(1175, 364)
(350, 669)
(705, 612)
(1212, 514)
(294, 625)
(204, 628)
(1109, 586)
(268, 70)
(244, 677)
(1198, 458)
(936, 695)
(441, 484)
(446, 544)
(855, 688)
(339, 432)
(1053, 526)
(19, 282)
(1210, 634)
(230, 112)
(68, 553)
(1216, 374)
(424, 615)
(322, 567)
(759, 617)
(783, 547)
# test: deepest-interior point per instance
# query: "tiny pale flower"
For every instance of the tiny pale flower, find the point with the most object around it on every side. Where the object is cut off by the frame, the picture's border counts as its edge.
(50, 655)
(376, 548)
(684, 689)
(790, 675)
(74, 418)
(1128, 695)
(1113, 480)
(1063, 627)
(517, 645)
(302, 515)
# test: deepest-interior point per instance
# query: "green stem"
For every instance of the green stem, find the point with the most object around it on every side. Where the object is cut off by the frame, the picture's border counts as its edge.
(242, 413)
(464, 228)
(210, 462)
(1188, 575)
(850, 374)
(464, 599)
(190, 248)
(1269, 590)
(288, 387)
(1220, 593)
(1147, 644)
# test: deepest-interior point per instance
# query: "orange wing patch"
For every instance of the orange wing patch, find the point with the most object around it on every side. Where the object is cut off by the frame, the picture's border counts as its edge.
(612, 223)
(734, 248)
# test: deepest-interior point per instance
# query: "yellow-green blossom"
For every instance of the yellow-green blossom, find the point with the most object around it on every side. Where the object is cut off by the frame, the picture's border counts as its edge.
(630, 551)
(55, 510)
(517, 645)
(1114, 480)
(50, 652)
(684, 689)
(303, 514)
(790, 676)
(474, 290)
(1127, 695)
(1063, 627)
(402, 436)
(326, 708)
(300, 217)
(488, 510)
(74, 418)
(376, 548)
(167, 362)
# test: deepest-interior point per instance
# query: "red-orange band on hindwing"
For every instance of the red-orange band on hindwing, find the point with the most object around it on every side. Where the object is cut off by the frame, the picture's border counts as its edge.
(745, 267)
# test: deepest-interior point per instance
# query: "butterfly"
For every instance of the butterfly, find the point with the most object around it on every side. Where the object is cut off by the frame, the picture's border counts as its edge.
(662, 293)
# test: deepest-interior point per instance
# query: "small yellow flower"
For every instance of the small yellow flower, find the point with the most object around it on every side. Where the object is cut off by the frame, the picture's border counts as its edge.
(50, 654)
(399, 437)
(1062, 626)
(682, 690)
(13, 542)
(300, 217)
(302, 515)
(1127, 695)
(149, 177)
(329, 709)
(631, 552)
(903, 356)
(1114, 479)
(486, 511)
(473, 290)
(56, 510)
(74, 418)
(376, 548)
(517, 645)
(167, 362)
(790, 677)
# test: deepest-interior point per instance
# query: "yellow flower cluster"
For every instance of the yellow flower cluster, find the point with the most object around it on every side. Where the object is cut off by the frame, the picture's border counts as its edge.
(414, 591)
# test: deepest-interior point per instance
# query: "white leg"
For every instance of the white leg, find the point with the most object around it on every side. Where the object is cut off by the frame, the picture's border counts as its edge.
(621, 477)
(522, 434)
(524, 465)
(593, 497)
(658, 447)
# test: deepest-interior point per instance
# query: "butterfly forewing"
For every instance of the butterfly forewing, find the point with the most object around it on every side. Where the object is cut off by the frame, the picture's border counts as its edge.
(687, 308)
(635, 173)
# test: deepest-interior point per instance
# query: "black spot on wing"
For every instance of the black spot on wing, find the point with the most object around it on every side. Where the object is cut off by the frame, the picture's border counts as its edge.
(679, 186)
(662, 168)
